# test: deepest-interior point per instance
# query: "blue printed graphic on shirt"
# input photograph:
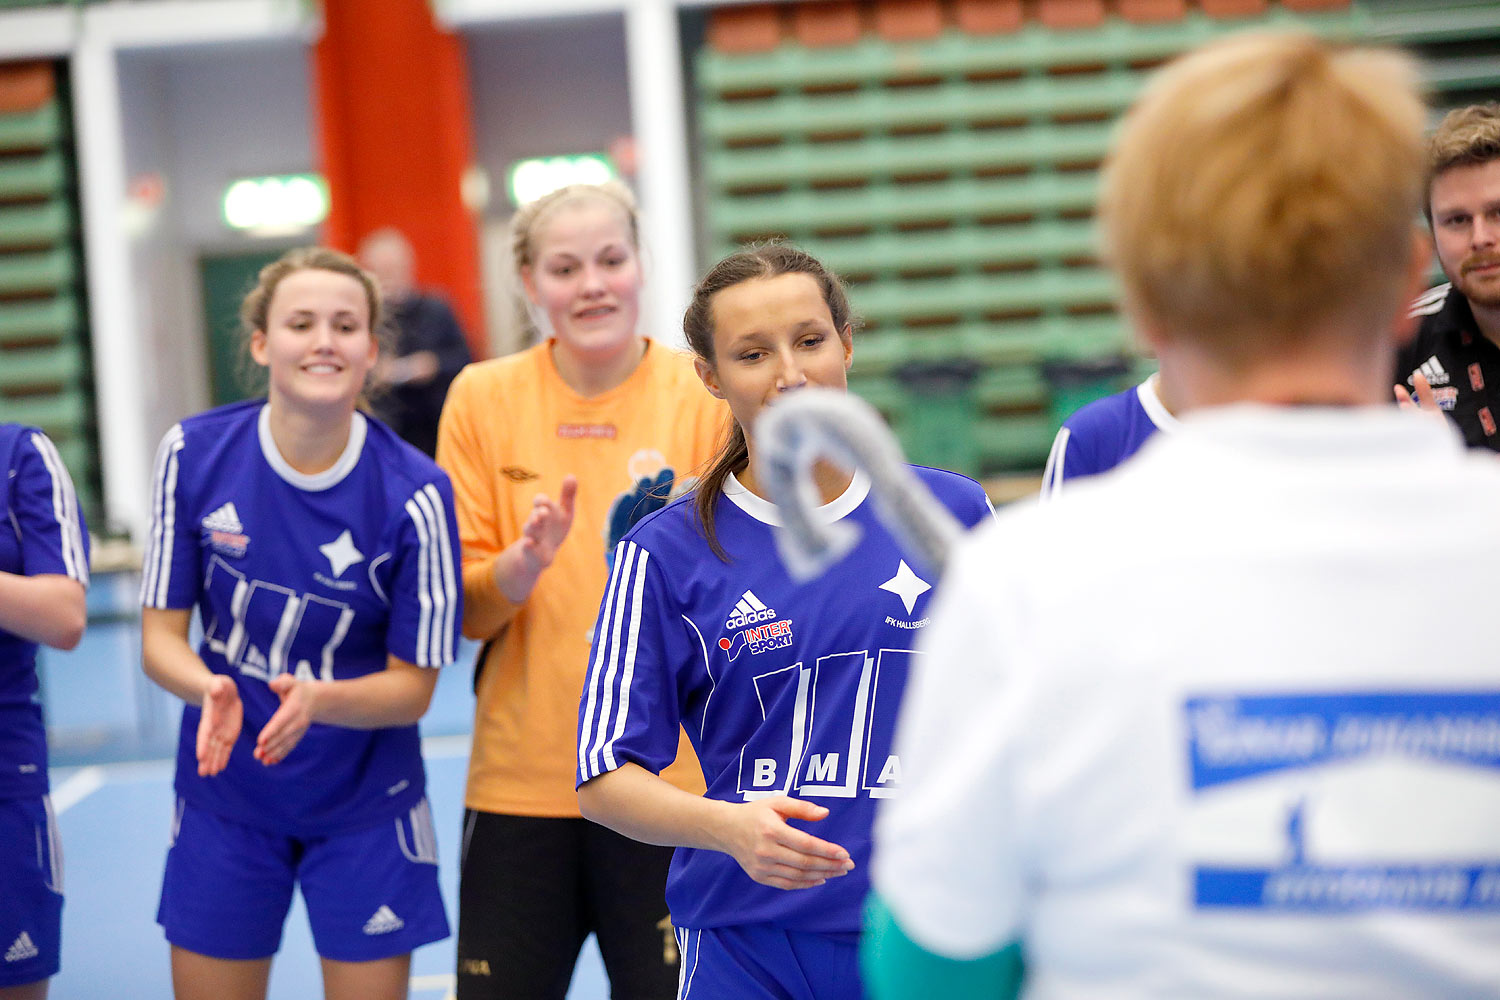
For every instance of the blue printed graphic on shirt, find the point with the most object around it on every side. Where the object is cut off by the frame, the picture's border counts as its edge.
(320, 576)
(784, 688)
(1337, 803)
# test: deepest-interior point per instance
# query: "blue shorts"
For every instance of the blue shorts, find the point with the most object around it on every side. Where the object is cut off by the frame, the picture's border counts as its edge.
(371, 893)
(758, 962)
(31, 877)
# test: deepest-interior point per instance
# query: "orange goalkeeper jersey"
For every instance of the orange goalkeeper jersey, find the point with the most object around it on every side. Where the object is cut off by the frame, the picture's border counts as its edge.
(511, 428)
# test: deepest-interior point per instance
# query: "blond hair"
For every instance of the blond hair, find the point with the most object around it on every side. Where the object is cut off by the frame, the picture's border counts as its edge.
(528, 218)
(1266, 183)
(1465, 137)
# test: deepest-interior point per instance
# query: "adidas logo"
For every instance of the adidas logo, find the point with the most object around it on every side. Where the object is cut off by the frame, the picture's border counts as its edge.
(383, 922)
(747, 611)
(21, 949)
(226, 518)
(1433, 369)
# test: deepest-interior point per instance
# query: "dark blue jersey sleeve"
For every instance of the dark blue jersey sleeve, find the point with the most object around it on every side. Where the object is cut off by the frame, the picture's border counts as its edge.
(47, 520)
(644, 653)
(426, 592)
(169, 574)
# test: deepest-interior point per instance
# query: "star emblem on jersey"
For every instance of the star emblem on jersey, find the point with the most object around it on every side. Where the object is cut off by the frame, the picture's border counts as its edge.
(907, 586)
(341, 553)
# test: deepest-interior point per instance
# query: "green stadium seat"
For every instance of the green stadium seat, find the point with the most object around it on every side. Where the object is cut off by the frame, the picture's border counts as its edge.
(31, 131)
(25, 227)
(55, 366)
(952, 181)
(883, 157)
(956, 54)
(807, 213)
(1007, 444)
(61, 415)
(990, 344)
(31, 321)
(28, 178)
(33, 273)
(958, 103)
(977, 297)
(1421, 22)
(888, 255)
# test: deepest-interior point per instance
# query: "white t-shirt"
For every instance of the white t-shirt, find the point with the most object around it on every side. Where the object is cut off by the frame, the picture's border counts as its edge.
(1224, 724)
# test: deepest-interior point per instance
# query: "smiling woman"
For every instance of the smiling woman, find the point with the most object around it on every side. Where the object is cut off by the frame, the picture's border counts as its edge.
(804, 677)
(317, 548)
(317, 345)
(597, 425)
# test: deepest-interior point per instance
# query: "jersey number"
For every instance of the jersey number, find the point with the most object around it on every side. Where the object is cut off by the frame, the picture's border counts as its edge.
(306, 629)
(837, 748)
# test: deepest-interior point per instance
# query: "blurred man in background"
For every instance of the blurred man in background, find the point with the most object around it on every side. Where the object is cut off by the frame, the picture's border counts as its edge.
(1457, 347)
(426, 344)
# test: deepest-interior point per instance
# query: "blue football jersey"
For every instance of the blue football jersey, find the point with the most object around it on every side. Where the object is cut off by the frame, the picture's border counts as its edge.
(783, 687)
(322, 576)
(1103, 434)
(43, 533)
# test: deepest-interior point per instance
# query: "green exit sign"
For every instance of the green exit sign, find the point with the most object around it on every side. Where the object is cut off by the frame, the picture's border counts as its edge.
(530, 179)
(281, 204)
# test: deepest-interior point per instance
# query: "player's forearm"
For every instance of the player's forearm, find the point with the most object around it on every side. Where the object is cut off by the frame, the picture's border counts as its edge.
(636, 803)
(486, 608)
(167, 657)
(49, 608)
(391, 697)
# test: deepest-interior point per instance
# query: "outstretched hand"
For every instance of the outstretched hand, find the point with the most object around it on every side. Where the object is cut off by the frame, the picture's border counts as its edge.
(774, 853)
(285, 729)
(541, 536)
(218, 725)
(1424, 399)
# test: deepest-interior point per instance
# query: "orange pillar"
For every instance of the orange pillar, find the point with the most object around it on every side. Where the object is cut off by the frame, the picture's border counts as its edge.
(394, 139)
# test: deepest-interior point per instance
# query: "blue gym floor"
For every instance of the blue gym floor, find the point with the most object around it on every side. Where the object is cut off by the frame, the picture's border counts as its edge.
(112, 733)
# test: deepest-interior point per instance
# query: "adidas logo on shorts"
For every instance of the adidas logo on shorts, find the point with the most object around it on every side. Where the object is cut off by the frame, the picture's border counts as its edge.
(21, 949)
(383, 922)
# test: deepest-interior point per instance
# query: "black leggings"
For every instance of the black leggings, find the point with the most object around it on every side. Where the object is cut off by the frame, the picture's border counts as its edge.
(531, 890)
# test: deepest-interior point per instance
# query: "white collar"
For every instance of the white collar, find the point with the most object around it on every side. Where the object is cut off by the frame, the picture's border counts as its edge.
(1152, 404)
(319, 481)
(765, 511)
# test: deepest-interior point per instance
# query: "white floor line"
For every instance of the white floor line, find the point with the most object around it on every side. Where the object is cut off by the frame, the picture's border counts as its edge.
(445, 981)
(77, 788)
(441, 747)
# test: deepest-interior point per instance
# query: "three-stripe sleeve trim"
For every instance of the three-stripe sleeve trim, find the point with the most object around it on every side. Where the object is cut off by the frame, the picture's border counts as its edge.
(437, 585)
(627, 676)
(156, 571)
(586, 727)
(64, 510)
(618, 637)
(1430, 301)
